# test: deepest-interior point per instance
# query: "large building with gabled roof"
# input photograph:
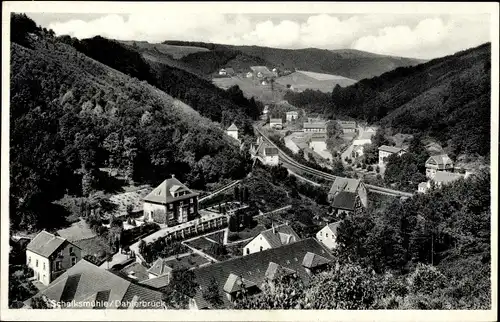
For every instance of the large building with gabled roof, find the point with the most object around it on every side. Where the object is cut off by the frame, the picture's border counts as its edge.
(435, 163)
(171, 203)
(303, 258)
(49, 256)
(87, 286)
(271, 238)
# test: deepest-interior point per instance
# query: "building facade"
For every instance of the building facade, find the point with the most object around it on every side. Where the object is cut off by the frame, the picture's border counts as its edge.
(171, 203)
(316, 127)
(291, 115)
(276, 123)
(386, 151)
(328, 235)
(232, 131)
(318, 142)
(436, 163)
(50, 256)
(271, 238)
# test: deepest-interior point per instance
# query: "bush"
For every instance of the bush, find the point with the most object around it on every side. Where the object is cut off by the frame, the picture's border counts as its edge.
(369, 168)
(233, 236)
(377, 169)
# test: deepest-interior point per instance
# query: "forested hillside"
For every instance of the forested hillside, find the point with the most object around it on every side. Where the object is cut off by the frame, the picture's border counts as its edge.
(348, 63)
(446, 98)
(202, 95)
(71, 115)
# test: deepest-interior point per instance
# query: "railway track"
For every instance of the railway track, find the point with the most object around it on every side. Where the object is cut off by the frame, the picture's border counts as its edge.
(290, 163)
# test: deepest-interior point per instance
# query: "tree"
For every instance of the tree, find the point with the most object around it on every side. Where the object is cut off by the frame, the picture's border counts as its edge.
(212, 295)
(109, 258)
(237, 193)
(181, 288)
(39, 303)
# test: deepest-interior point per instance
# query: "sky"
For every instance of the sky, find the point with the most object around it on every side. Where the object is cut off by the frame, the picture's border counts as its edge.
(423, 36)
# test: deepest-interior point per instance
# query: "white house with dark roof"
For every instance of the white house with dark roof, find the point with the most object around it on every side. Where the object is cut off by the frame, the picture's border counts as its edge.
(232, 131)
(348, 126)
(304, 258)
(328, 235)
(386, 151)
(271, 238)
(261, 71)
(50, 256)
(87, 286)
(441, 162)
(318, 127)
(276, 123)
(171, 203)
(317, 142)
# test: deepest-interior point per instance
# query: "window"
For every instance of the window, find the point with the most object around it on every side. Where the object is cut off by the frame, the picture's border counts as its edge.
(29, 259)
(261, 248)
(36, 264)
(58, 265)
(44, 266)
(326, 235)
(248, 251)
(170, 206)
(191, 200)
(73, 261)
(71, 250)
(191, 209)
(320, 233)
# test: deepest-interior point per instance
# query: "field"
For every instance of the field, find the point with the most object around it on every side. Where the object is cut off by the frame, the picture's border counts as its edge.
(302, 80)
(251, 88)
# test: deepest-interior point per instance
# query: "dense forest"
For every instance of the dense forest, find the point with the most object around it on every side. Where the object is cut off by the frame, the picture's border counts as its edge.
(438, 98)
(351, 64)
(70, 116)
(210, 101)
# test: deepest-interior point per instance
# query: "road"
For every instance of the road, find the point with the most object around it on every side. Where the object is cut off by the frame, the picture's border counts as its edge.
(295, 166)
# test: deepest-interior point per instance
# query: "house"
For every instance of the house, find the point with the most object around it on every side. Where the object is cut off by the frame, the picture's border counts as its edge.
(261, 71)
(271, 156)
(345, 203)
(222, 72)
(50, 256)
(87, 286)
(249, 75)
(328, 235)
(317, 127)
(171, 203)
(266, 109)
(303, 258)
(350, 185)
(436, 163)
(348, 126)
(230, 71)
(232, 131)
(386, 151)
(276, 123)
(271, 238)
(292, 115)
(317, 142)
(263, 83)
(423, 187)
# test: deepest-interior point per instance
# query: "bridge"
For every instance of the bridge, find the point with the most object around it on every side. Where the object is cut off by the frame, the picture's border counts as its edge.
(290, 163)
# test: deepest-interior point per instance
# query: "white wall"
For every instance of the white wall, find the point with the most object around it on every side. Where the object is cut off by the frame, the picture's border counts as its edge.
(271, 160)
(382, 155)
(327, 238)
(363, 194)
(317, 146)
(255, 245)
(42, 270)
(233, 134)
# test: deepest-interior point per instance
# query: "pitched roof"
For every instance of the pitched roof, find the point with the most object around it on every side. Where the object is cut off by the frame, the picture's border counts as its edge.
(441, 161)
(275, 271)
(281, 235)
(271, 151)
(345, 200)
(344, 184)
(292, 113)
(446, 177)
(230, 70)
(318, 137)
(262, 69)
(157, 282)
(253, 267)
(45, 243)
(85, 281)
(159, 267)
(276, 120)
(348, 125)
(232, 127)
(315, 125)
(391, 149)
(312, 260)
(164, 192)
(235, 283)
(135, 269)
(333, 226)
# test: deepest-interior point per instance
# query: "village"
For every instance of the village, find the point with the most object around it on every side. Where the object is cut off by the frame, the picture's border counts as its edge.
(217, 236)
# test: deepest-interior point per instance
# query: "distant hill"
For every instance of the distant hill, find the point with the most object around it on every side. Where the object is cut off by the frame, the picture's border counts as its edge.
(446, 98)
(348, 63)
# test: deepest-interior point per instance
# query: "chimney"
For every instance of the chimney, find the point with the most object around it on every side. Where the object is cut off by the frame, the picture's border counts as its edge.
(173, 176)
(274, 229)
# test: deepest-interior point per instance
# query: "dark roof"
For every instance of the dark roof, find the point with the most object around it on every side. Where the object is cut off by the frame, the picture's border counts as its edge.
(85, 282)
(316, 125)
(135, 269)
(275, 271)
(333, 227)
(45, 244)
(344, 200)
(230, 70)
(253, 267)
(164, 192)
(235, 283)
(157, 282)
(312, 260)
(282, 235)
(440, 161)
(270, 151)
(262, 69)
(276, 120)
